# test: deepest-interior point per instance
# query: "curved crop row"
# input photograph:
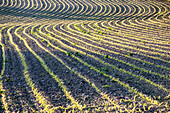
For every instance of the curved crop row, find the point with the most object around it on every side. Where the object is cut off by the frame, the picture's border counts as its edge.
(84, 55)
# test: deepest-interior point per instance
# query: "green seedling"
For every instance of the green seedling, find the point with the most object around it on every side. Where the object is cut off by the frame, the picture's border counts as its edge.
(103, 72)
(74, 43)
(109, 28)
(68, 54)
(77, 54)
(62, 107)
(8, 79)
(48, 35)
(11, 67)
(143, 42)
(130, 54)
(34, 6)
(106, 86)
(106, 56)
(6, 60)
(88, 32)
(100, 32)
(48, 45)
(167, 97)
(2, 91)
(42, 74)
(42, 40)
(104, 69)
(73, 72)
(82, 31)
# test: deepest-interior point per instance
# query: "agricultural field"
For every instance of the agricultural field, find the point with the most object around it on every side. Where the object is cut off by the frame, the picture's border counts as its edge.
(84, 56)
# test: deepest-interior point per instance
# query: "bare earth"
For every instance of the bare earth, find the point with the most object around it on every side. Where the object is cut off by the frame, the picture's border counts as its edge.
(84, 56)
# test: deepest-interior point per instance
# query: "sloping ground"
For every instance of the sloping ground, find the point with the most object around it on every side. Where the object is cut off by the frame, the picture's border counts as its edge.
(84, 55)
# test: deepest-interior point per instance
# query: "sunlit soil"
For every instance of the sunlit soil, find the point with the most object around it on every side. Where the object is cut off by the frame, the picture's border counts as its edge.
(84, 56)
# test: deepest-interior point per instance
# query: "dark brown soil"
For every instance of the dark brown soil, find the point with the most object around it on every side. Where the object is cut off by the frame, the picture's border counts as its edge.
(125, 56)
